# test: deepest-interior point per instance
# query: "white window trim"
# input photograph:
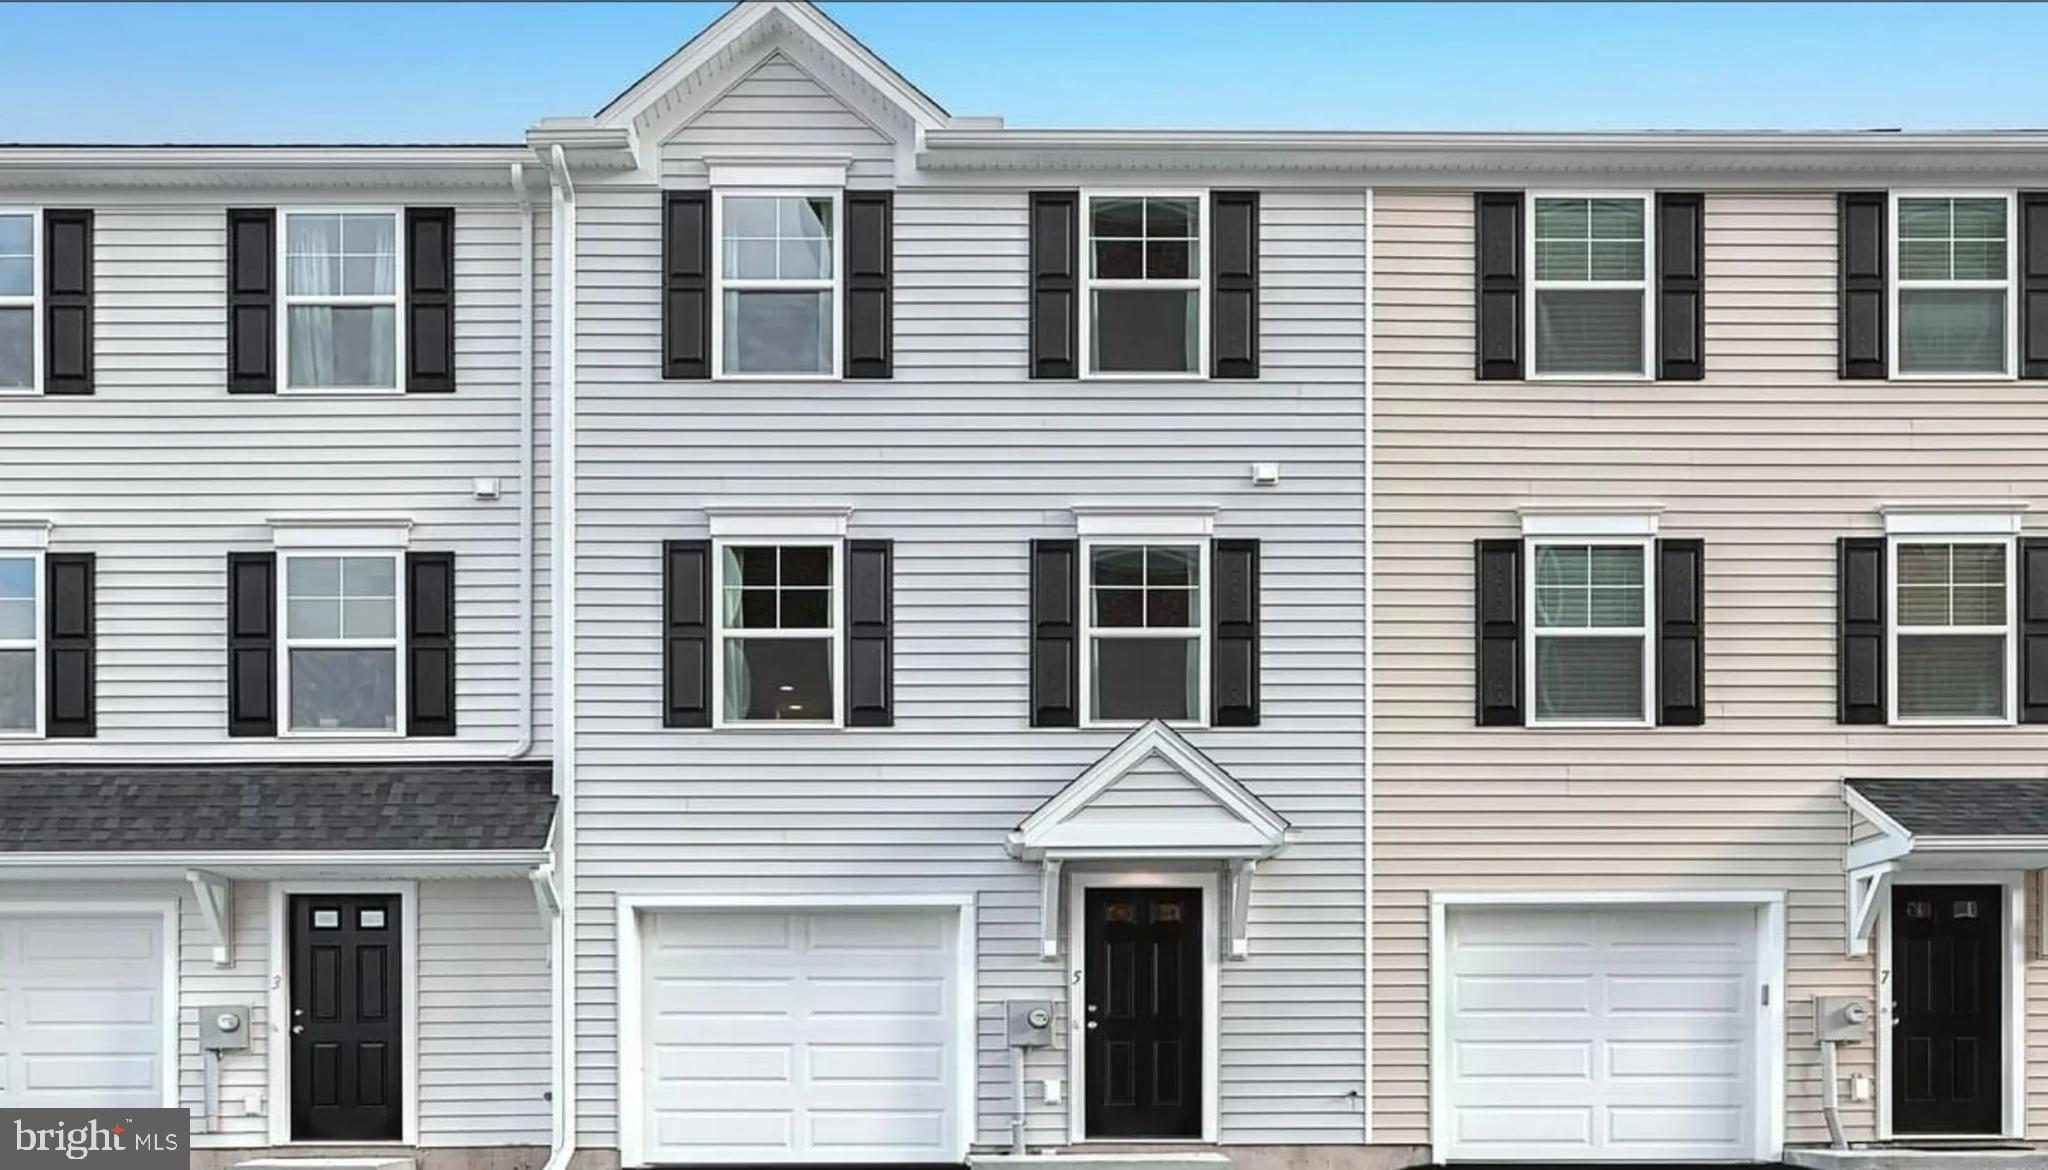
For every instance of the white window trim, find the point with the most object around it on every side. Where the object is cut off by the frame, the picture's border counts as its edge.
(1895, 283)
(836, 285)
(1893, 627)
(38, 581)
(33, 302)
(286, 300)
(1643, 286)
(1648, 546)
(1084, 337)
(286, 643)
(1200, 629)
(835, 607)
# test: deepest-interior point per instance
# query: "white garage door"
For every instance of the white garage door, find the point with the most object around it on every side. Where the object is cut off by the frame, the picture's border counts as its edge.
(826, 1036)
(1624, 1033)
(81, 1011)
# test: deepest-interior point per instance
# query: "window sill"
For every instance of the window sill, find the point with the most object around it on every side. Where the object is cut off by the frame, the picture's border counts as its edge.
(300, 733)
(1896, 376)
(340, 391)
(1558, 377)
(773, 378)
(1911, 724)
(1134, 724)
(1142, 376)
(22, 392)
(1588, 725)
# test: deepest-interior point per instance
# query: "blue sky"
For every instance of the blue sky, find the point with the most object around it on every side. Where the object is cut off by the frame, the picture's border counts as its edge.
(483, 72)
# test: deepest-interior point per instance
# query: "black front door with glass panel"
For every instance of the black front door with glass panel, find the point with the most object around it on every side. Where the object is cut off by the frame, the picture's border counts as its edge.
(1948, 1021)
(1142, 987)
(347, 1012)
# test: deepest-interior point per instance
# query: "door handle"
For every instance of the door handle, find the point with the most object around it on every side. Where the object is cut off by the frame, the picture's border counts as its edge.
(1091, 1025)
(298, 1028)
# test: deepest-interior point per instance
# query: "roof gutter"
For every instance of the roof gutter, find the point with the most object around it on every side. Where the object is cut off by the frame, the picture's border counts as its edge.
(309, 859)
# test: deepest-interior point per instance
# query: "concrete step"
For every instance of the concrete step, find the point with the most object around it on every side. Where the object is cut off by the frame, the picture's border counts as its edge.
(1960, 1156)
(1105, 1160)
(333, 1162)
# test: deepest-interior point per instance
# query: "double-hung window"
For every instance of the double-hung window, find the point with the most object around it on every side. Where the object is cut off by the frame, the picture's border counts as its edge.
(21, 625)
(342, 623)
(1590, 660)
(778, 285)
(1589, 308)
(1143, 285)
(1144, 631)
(20, 276)
(1952, 630)
(777, 622)
(1953, 303)
(341, 323)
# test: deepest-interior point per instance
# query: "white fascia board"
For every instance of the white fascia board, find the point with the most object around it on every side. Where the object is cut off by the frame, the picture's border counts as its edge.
(1163, 520)
(24, 535)
(752, 521)
(790, 174)
(1595, 518)
(253, 167)
(1952, 517)
(340, 531)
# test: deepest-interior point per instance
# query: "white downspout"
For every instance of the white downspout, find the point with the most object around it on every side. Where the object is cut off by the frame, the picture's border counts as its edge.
(527, 510)
(562, 572)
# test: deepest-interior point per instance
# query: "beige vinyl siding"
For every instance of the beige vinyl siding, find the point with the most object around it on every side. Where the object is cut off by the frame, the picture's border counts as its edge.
(161, 472)
(1769, 460)
(962, 460)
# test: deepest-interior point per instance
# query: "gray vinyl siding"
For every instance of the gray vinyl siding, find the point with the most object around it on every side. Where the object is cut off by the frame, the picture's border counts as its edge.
(962, 461)
(1152, 790)
(161, 472)
(777, 107)
(1769, 460)
(483, 1010)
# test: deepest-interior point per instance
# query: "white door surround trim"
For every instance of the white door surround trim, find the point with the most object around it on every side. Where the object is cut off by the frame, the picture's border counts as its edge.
(1080, 882)
(278, 1042)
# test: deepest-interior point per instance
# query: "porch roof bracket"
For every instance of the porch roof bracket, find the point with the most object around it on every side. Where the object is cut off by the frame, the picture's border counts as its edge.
(216, 897)
(1049, 909)
(1238, 943)
(1867, 887)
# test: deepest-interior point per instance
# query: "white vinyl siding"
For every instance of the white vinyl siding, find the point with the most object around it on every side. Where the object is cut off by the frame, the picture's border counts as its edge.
(161, 473)
(1769, 460)
(962, 460)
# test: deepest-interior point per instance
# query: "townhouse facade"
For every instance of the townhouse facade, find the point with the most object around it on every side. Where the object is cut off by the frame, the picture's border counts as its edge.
(1259, 648)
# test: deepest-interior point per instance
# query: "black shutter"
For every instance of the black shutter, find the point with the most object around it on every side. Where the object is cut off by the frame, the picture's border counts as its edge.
(71, 709)
(870, 285)
(1860, 618)
(1234, 659)
(686, 287)
(430, 301)
(1055, 632)
(1498, 251)
(2033, 647)
(1861, 251)
(1497, 604)
(67, 303)
(2033, 284)
(1681, 286)
(1234, 292)
(870, 633)
(252, 302)
(686, 633)
(430, 643)
(1055, 285)
(252, 644)
(1681, 633)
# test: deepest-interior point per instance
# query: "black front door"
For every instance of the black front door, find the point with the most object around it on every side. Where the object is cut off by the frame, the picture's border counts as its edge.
(1143, 1004)
(1946, 997)
(347, 1036)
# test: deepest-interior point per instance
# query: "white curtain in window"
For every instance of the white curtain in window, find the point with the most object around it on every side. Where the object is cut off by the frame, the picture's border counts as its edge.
(739, 683)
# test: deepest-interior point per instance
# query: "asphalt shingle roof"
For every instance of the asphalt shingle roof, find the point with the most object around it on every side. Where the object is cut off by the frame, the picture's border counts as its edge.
(275, 807)
(1962, 808)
